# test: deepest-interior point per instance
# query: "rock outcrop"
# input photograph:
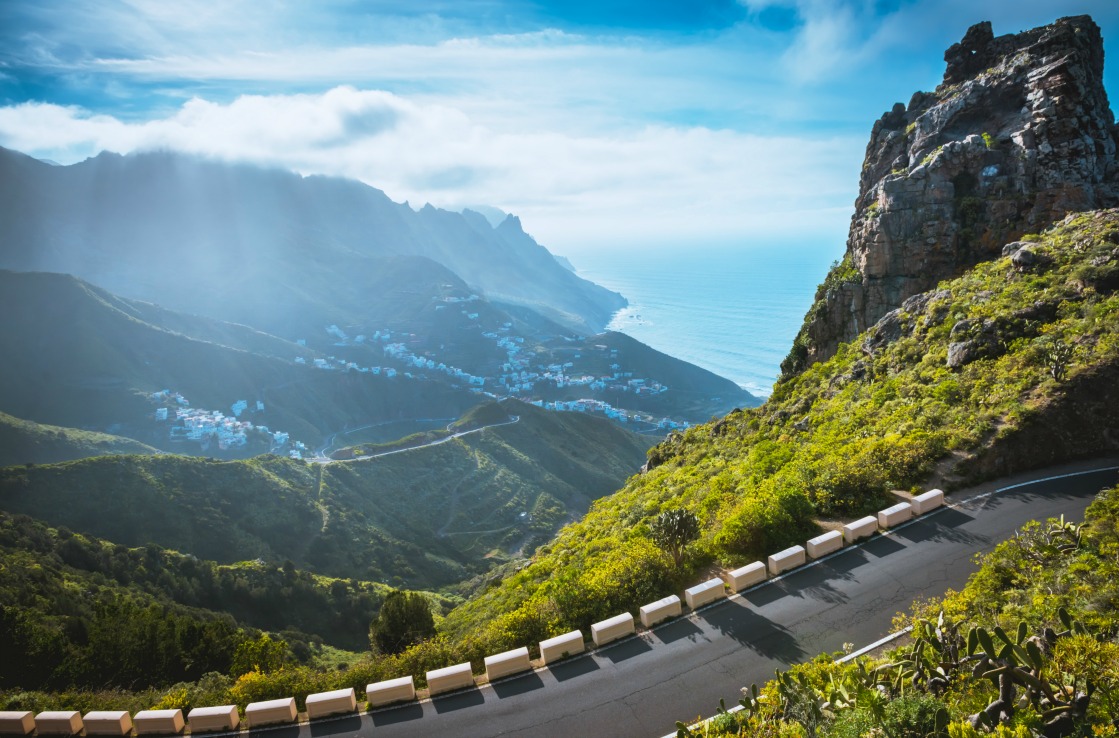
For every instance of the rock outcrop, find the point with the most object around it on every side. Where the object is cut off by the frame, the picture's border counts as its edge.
(1019, 134)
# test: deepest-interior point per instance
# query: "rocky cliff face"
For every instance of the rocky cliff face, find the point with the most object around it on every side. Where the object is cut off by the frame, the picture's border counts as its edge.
(1018, 134)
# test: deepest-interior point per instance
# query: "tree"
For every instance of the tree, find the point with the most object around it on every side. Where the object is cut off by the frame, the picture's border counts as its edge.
(263, 655)
(673, 530)
(404, 620)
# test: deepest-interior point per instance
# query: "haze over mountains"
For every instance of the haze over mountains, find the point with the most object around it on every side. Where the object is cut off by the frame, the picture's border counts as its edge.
(318, 303)
(265, 247)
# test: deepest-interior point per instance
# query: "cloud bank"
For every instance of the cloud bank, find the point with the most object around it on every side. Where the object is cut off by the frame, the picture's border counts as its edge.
(599, 129)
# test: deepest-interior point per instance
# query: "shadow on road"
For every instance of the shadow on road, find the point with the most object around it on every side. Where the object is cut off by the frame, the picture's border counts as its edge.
(677, 631)
(332, 727)
(573, 668)
(756, 632)
(458, 701)
(816, 582)
(521, 685)
(881, 546)
(943, 526)
(627, 650)
(401, 714)
(768, 593)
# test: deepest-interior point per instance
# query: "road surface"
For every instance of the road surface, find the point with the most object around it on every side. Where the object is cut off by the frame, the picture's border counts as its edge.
(641, 686)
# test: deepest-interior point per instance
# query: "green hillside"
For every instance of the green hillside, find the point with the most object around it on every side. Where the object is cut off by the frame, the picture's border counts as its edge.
(425, 518)
(1034, 379)
(24, 442)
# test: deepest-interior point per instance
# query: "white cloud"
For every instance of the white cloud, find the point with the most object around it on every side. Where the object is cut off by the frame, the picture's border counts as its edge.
(656, 182)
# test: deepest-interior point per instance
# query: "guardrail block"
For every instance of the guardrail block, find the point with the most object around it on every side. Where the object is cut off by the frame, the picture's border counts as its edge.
(562, 646)
(331, 703)
(450, 678)
(746, 576)
(107, 722)
(701, 594)
(930, 500)
(861, 528)
(782, 561)
(612, 629)
(894, 515)
(270, 712)
(58, 722)
(17, 722)
(390, 690)
(209, 719)
(824, 544)
(509, 662)
(158, 722)
(662, 609)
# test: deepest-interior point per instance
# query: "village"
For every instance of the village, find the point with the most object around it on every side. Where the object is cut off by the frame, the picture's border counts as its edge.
(518, 376)
(212, 427)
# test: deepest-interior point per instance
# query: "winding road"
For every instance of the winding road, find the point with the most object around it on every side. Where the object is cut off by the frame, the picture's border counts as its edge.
(642, 685)
(320, 458)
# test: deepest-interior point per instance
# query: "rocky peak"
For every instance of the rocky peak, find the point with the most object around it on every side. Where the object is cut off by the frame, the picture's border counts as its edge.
(1018, 134)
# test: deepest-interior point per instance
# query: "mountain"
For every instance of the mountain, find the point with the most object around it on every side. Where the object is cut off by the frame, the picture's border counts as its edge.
(268, 248)
(24, 442)
(1012, 364)
(1017, 135)
(81, 357)
(424, 518)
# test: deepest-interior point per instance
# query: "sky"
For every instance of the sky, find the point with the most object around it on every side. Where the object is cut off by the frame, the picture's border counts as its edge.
(618, 124)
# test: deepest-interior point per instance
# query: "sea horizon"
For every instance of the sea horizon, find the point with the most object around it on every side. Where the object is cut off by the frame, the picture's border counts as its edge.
(733, 310)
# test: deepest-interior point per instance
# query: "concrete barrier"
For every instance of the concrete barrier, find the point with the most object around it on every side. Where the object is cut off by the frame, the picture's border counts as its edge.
(861, 528)
(894, 515)
(270, 712)
(107, 722)
(17, 722)
(390, 690)
(612, 629)
(562, 646)
(790, 558)
(746, 576)
(58, 722)
(450, 678)
(158, 722)
(662, 609)
(824, 544)
(210, 719)
(930, 500)
(509, 662)
(709, 591)
(331, 703)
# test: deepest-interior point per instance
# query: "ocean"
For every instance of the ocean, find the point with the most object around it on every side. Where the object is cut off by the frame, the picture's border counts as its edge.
(733, 311)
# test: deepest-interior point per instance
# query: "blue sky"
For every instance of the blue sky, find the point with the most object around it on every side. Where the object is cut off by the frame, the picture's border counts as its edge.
(603, 124)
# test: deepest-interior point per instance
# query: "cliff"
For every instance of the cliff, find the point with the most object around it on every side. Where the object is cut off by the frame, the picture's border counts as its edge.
(1018, 134)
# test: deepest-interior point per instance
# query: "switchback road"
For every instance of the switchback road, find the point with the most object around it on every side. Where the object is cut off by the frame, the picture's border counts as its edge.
(641, 686)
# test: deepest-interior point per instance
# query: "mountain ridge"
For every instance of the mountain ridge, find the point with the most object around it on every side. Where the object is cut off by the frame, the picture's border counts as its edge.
(149, 225)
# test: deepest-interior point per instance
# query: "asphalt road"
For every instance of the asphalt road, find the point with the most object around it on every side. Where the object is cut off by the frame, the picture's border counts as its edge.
(641, 686)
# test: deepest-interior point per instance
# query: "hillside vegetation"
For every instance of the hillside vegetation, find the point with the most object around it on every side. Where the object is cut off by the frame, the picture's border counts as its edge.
(425, 518)
(1027, 648)
(25, 442)
(1006, 358)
